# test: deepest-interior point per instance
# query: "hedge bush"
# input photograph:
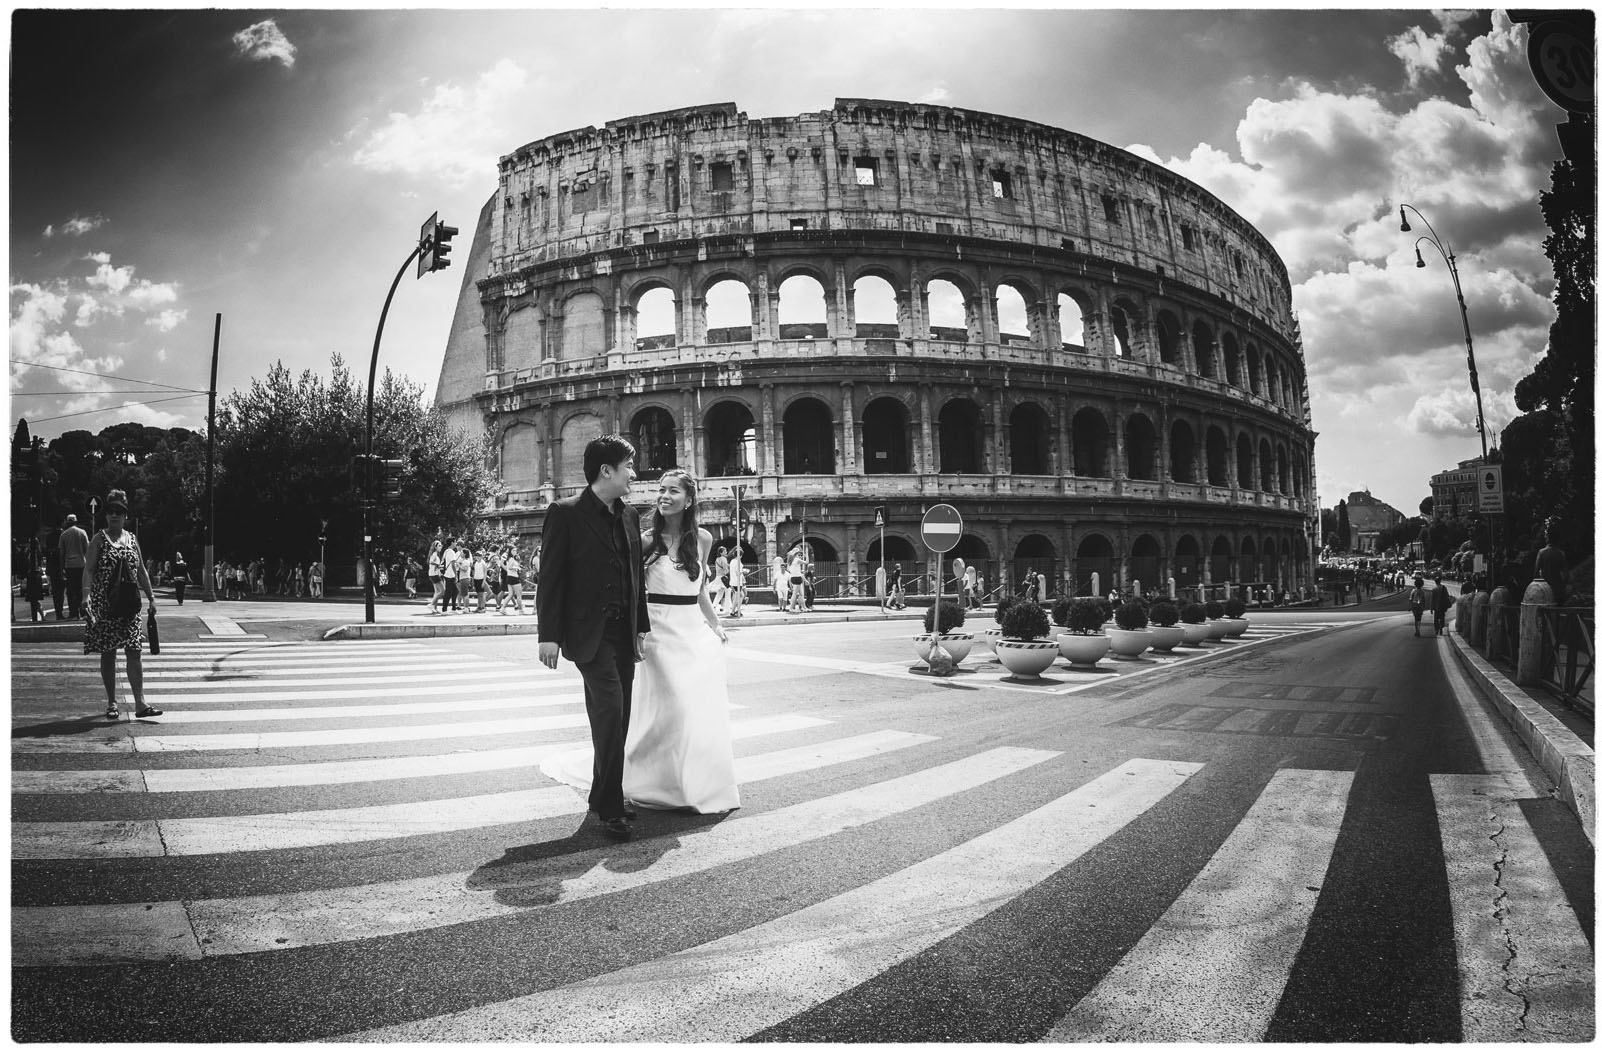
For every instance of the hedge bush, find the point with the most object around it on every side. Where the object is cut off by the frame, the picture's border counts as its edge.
(951, 617)
(1164, 613)
(1234, 608)
(1025, 620)
(1131, 616)
(1193, 613)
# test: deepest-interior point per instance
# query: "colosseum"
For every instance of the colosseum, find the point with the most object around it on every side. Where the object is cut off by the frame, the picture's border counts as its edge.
(884, 306)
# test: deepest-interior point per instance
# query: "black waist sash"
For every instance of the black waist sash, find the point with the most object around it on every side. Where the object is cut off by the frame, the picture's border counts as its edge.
(671, 598)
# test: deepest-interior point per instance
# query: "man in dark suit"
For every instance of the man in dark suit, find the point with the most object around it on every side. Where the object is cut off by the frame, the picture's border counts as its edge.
(591, 607)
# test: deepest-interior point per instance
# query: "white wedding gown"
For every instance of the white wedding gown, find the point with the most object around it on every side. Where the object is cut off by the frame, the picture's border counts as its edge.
(679, 753)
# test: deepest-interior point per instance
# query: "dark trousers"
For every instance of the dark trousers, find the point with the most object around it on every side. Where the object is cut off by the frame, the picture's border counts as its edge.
(449, 603)
(75, 591)
(608, 691)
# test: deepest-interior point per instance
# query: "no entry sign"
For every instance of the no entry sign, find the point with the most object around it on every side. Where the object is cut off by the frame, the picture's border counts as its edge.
(942, 527)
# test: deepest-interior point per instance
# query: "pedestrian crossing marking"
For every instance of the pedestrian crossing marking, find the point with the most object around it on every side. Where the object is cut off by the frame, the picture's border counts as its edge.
(1224, 949)
(1240, 720)
(1524, 963)
(412, 678)
(522, 684)
(736, 986)
(401, 709)
(1240, 689)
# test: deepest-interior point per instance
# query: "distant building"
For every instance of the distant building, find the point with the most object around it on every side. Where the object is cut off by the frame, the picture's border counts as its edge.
(1456, 491)
(1368, 517)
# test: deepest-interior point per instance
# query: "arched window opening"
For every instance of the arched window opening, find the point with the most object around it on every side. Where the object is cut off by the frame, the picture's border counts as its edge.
(824, 560)
(1201, 337)
(1271, 383)
(1220, 561)
(1187, 562)
(873, 304)
(655, 448)
(728, 312)
(577, 432)
(1181, 453)
(1168, 338)
(1270, 561)
(1244, 478)
(1030, 437)
(1254, 372)
(731, 449)
(1231, 360)
(1091, 444)
(1012, 317)
(896, 550)
(1071, 322)
(1120, 328)
(1034, 552)
(1265, 462)
(1217, 458)
(802, 310)
(1248, 560)
(1094, 557)
(885, 444)
(808, 437)
(520, 341)
(1140, 448)
(583, 327)
(1282, 460)
(520, 458)
(1144, 558)
(655, 320)
(948, 312)
(961, 437)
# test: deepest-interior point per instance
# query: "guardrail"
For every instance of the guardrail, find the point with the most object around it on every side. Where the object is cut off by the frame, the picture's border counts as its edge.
(1568, 654)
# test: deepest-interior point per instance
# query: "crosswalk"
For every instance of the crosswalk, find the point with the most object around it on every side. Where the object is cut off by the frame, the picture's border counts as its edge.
(340, 764)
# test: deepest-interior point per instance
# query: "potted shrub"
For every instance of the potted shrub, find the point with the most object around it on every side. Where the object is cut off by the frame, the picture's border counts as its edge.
(943, 622)
(1129, 638)
(1084, 643)
(1193, 621)
(1217, 629)
(988, 637)
(1235, 616)
(1020, 647)
(1165, 630)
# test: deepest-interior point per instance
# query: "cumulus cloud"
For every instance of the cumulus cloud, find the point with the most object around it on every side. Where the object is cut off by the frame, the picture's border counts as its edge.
(166, 320)
(76, 226)
(455, 135)
(265, 42)
(1419, 51)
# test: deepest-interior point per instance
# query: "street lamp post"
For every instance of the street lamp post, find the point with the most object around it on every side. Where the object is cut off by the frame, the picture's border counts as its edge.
(1445, 249)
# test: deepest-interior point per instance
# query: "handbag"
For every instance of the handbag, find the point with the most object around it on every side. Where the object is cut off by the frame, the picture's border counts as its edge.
(124, 593)
(150, 632)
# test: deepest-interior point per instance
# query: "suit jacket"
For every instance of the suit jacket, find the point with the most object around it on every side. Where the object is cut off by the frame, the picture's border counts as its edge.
(576, 547)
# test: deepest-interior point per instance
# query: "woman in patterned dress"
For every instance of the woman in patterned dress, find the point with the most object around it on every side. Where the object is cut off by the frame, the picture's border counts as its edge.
(109, 551)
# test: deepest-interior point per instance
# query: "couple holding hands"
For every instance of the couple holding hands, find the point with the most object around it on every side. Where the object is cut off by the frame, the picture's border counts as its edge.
(620, 602)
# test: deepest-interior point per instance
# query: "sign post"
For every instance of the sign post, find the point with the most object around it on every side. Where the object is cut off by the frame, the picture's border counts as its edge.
(941, 531)
(1490, 489)
(878, 522)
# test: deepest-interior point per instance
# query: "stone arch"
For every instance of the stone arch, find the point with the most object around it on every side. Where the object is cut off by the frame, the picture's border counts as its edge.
(731, 439)
(520, 338)
(1232, 373)
(961, 437)
(1187, 562)
(1094, 556)
(1219, 559)
(1073, 306)
(875, 309)
(726, 310)
(803, 306)
(1206, 349)
(886, 437)
(950, 298)
(1140, 447)
(1217, 457)
(1248, 559)
(1014, 316)
(1254, 369)
(1283, 462)
(1145, 563)
(1181, 452)
(583, 326)
(521, 449)
(1270, 561)
(1091, 443)
(1036, 552)
(1029, 437)
(655, 440)
(1126, 328)
(577, 430)
(1245, 477)
(1266, 474)
(656, 315)
(1271, 378)
(1168, 338)
(808, 436)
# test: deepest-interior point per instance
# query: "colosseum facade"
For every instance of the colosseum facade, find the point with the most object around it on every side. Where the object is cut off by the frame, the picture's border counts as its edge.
(1094, 360)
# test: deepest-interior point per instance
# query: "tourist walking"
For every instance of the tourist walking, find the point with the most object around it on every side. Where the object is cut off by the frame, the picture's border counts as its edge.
(436, 576)
(74, 549)
(512, 569)
(1440, 600)
(314, 579)
(1416, 602)
(448, 574)
(464, 579)
(180, 577)
(114, 575)
(736, 583)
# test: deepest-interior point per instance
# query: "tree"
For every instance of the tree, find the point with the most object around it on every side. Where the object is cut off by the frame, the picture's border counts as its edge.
(1427, 507)
(285, 450)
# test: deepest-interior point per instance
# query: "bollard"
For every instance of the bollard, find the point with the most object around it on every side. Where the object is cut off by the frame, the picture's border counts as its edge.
(1496, 638)
(1171, 590)
(1465, 612)
(1095, 583)
(1536, 596)
(1482, 603)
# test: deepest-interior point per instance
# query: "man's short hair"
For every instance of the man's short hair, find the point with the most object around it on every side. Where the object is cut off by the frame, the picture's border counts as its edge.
(610, 450)
(72, 518)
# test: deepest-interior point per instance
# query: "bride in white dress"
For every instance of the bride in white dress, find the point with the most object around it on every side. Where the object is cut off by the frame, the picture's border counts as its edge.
(679, 753)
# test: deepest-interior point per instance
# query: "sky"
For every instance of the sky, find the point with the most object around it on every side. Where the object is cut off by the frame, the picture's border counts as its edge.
(274, 166)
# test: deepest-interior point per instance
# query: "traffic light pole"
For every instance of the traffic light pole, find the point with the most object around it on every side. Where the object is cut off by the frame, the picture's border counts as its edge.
(369, 585)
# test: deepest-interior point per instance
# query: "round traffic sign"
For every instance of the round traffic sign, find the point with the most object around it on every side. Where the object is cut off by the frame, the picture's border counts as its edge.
(1564, 65)
(942, 527)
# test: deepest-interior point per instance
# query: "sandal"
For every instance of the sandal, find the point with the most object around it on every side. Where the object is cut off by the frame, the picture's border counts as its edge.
(146, 711)
(113, 713)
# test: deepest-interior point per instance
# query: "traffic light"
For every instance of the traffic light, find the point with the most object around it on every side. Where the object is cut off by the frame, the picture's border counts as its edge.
(433, 245)
(361, 477)
(389, 488)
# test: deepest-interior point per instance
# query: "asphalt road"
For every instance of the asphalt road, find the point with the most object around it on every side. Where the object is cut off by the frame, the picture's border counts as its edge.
(1315, 833)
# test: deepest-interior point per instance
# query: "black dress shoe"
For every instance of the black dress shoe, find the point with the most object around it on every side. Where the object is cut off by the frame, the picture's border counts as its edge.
(618, 828)
(630, 812)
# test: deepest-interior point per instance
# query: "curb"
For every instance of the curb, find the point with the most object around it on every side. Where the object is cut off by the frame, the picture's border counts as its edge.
(1562, 754)
(521, 627)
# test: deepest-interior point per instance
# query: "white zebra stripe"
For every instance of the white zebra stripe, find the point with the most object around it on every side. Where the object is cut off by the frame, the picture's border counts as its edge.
(1523, 962)
(511, 673)
(120, 933)
(736, 986)
(1214, 965)
(399, 709)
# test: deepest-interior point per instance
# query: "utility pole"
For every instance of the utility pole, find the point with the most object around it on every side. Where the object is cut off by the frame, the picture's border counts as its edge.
(210, 594)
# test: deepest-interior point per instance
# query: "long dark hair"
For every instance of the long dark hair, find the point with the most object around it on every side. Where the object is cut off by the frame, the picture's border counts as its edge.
(688, 554)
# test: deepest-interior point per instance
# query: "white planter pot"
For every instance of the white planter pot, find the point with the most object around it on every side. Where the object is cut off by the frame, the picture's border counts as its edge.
(1166, 638)
(1195, 633)
(1217, 629)
(1084, 649)
(1236, 627)
(957, 645)
(1128, 644)
(1026, 658)
(987, 638)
